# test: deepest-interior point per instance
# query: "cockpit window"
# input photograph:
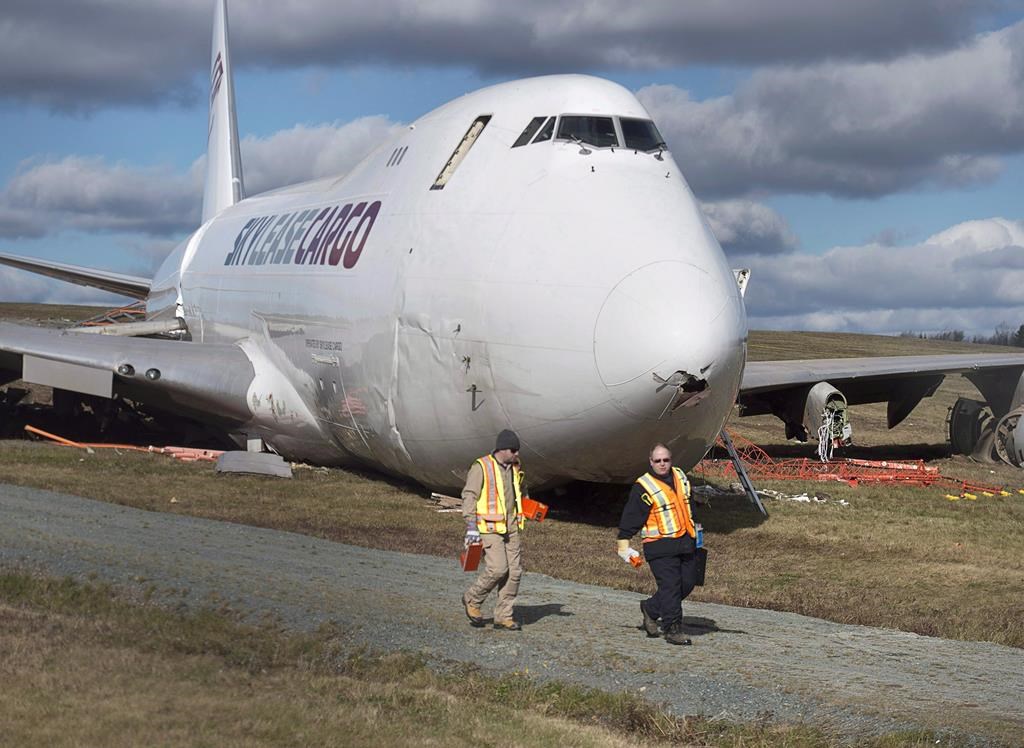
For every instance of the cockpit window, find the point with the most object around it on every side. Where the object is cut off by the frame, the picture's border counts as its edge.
(528, 133)
(641, 134)
(595, 131)
(546, 132)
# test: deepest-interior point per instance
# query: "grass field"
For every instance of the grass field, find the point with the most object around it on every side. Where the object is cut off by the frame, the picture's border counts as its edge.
(905, 558)
(82, 667)
(47, 314)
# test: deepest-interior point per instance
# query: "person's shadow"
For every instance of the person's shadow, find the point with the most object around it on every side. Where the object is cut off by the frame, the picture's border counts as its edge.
(527, 614)
(699, 626)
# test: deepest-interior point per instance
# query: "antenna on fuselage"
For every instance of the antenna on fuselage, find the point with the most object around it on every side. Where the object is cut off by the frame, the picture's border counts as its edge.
(223, 186)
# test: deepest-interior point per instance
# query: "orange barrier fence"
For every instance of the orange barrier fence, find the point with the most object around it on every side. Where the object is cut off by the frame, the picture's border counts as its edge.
(759, 465)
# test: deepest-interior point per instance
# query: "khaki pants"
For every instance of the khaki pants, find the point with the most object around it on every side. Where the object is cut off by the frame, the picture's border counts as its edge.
(503, 568)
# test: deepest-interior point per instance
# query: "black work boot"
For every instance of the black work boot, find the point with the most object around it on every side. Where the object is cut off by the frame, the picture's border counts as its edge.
(650, 625)
(674, 634)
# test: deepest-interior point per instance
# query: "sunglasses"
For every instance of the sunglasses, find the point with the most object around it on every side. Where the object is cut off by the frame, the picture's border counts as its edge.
(663, 459)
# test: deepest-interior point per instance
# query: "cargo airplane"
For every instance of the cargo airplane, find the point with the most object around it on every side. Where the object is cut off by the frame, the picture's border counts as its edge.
(528, 256)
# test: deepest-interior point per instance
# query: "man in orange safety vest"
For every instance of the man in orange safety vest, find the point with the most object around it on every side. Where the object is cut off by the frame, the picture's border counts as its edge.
(659, 509)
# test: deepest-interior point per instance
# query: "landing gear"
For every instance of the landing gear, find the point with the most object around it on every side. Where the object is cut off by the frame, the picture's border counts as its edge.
(974, 431)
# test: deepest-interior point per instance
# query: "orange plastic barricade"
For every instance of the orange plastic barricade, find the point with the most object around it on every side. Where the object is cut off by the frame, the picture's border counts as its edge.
(470, 556)
(534, 510)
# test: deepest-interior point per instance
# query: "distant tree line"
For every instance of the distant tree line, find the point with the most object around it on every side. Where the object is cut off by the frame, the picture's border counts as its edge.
(1004, 335)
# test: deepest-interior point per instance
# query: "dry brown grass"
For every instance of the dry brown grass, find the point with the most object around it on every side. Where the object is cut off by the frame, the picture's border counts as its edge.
(81, 667)
(47, 314)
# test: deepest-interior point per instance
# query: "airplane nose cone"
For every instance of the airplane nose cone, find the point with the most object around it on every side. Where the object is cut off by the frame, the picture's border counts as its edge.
(664, 317)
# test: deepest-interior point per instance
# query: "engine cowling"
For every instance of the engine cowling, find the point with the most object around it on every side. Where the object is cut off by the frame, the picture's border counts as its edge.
(826, 415)
(817, 411)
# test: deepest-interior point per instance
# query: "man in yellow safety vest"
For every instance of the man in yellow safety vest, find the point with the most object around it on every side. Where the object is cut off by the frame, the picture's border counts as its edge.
(492, 505)
(659, 508)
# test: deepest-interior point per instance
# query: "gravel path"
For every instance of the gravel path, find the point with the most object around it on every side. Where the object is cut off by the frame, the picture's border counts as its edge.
(745, 663)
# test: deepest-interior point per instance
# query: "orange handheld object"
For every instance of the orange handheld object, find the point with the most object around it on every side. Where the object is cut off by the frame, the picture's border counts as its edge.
(637, 561)
(534, 509)
(470, 556)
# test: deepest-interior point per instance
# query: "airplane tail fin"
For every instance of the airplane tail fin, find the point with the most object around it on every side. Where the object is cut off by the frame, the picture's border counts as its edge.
(223, 185)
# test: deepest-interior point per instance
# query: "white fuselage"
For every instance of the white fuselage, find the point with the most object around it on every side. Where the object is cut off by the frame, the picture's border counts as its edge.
(545, 288)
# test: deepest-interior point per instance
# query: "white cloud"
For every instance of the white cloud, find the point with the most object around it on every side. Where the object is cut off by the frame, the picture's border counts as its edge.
(969, 277)
(17, 285)
(303, 153)
(90, 195)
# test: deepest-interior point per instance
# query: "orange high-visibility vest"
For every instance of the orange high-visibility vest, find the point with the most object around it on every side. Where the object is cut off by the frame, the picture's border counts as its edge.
(491, 510)
(670, 515)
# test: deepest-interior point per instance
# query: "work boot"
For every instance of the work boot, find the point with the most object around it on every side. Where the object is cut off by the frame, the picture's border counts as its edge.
(650, 625)
(674, 634)
(473, 613)
(508, 625)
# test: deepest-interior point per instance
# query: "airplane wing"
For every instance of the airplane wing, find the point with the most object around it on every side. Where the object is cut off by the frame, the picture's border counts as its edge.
(127, 285)
(198, 379)
(867, 373)
(797, 391)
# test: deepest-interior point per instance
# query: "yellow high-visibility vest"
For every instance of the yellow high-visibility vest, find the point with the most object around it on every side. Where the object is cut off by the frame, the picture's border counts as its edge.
(491, 511)
(670, 515)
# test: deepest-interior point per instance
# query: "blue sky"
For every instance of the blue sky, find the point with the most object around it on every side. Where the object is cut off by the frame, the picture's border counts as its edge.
(825, 140)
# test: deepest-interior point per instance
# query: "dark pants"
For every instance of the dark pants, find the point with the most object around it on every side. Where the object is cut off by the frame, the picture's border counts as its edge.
(675, 576)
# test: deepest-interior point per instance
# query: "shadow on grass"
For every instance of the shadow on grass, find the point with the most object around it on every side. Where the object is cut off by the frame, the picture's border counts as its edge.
(700, 626)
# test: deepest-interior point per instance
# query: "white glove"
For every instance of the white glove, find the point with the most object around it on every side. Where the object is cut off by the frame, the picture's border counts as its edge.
(628, 554)
(472, 536)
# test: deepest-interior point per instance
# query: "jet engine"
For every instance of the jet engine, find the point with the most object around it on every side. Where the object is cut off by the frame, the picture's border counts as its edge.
(825, 414)
(819, 411)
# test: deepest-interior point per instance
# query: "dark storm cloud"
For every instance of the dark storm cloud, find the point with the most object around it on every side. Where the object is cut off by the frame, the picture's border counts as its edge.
(854, 129)
(744, 227)
(89, 53)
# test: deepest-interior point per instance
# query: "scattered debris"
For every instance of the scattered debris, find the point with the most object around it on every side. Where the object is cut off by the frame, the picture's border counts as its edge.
(708, 491)
(817, 498)
(59, 439)
(256, 463)
(445, 503)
